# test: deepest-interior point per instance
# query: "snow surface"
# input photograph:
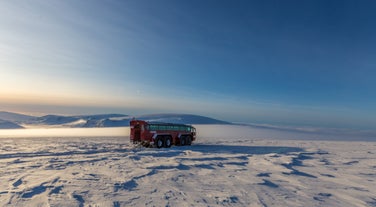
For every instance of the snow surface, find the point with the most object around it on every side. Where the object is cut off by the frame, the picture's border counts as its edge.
(227, 166)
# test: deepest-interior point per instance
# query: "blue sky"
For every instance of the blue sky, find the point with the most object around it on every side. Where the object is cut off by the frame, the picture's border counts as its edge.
(279, 62)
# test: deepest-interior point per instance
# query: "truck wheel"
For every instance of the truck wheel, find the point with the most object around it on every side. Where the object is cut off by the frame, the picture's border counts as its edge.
(189, 140)
(159, 142)
(182, 141)
(167, 142)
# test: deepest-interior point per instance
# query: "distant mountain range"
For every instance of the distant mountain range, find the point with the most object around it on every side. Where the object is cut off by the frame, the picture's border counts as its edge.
(14, 117)
(9, 120)
(9, 125)
(181, 119)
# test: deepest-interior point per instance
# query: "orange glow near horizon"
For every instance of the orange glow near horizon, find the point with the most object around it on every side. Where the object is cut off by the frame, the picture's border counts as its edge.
(35, 98)
(64, 132)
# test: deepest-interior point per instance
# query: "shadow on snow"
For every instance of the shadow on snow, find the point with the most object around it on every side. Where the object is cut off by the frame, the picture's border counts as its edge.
(236, 149)
(223, 149)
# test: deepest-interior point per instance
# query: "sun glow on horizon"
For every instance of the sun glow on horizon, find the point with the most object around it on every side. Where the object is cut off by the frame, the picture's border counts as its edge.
(64, 132)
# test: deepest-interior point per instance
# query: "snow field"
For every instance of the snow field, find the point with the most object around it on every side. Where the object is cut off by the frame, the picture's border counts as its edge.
(218, 171)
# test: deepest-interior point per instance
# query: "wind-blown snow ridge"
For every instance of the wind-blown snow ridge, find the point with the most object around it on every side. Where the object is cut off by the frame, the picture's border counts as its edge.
(215, 171)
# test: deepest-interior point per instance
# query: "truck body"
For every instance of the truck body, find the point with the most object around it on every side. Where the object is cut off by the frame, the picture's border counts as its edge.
(160, 134)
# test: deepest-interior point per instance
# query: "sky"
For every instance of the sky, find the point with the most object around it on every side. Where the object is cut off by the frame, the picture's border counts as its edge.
(293, 62)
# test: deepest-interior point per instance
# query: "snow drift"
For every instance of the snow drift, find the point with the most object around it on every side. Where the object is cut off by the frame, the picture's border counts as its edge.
(217, 170)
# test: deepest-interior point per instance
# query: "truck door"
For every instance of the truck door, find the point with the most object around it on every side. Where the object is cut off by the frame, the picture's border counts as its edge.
(137, 133)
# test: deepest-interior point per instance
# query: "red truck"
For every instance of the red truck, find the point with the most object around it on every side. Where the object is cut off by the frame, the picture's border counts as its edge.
(161, 134)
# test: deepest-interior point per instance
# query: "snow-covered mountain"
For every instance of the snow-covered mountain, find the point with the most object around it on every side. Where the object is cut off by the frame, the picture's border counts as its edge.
(77, 121)
(181, 119)
(14, 117)
(9, 125)
(101, 120)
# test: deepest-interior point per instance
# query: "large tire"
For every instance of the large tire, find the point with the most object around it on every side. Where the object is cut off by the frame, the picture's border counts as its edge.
(167, 142)
(183, 141)
(189, 140)
(159, 142)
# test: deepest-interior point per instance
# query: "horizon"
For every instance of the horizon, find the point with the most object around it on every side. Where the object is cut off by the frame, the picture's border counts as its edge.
(293, 63)
(72, 128)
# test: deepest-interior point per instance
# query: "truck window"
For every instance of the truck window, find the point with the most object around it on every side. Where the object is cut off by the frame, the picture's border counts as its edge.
(153, 127)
